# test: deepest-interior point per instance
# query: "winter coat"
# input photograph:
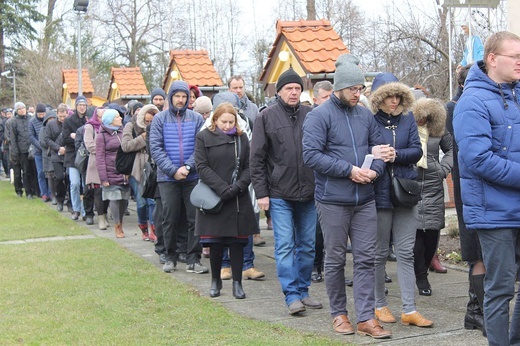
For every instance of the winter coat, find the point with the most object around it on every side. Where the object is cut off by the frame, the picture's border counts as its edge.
(249, 108)
(89, 138)
(277, 168)
(46, 150)
(134, 141)
(20, 138)
(35, 125)
(172, 138)
(487, 123)
(215, 157)
(107, 143)
(52, 137)
(431, 206)
(71, 125)
(335, 138)
(407, 142)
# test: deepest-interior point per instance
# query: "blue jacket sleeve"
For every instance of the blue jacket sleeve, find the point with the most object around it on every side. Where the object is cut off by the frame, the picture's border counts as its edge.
(473, 133)
(157, 147)
(315, 132)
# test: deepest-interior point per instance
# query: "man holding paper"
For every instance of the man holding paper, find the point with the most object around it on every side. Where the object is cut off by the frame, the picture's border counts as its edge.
(338, 137)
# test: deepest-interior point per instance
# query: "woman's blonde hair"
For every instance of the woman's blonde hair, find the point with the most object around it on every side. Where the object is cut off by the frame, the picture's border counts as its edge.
(222, 108)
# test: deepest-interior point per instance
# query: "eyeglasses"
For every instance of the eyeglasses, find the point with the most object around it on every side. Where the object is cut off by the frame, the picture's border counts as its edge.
(515, 57)
(355, 90)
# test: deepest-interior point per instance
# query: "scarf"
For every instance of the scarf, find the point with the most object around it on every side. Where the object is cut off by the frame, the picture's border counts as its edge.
(423, 135)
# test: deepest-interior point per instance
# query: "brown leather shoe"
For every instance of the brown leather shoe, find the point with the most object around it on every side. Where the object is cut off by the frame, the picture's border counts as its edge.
(342, 325)
(225, 273)
(252, 274)
(436, 265)
(415, 319)
(374, 329)
(385, 315)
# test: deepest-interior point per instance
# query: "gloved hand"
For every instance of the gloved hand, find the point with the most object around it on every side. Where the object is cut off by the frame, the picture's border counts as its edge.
(227, 194)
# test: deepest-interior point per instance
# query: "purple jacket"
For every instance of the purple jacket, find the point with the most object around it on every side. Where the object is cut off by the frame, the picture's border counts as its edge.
(107, 144)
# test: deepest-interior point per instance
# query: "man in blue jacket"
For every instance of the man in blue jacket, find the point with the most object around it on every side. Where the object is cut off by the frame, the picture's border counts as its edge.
(172, 145)
(486, 122)
(337, 136)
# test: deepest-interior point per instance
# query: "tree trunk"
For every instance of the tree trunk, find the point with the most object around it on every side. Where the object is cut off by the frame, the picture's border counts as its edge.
(311, 10)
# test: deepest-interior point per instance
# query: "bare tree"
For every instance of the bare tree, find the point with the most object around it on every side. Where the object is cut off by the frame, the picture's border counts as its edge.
(311, 10)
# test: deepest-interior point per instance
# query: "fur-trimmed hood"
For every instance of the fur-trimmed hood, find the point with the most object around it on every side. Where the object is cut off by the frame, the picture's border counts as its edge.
(434, 112)
(386, 85)
(139, 117)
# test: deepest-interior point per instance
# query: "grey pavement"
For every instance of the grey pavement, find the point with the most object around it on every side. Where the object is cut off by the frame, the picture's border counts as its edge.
(264, 299)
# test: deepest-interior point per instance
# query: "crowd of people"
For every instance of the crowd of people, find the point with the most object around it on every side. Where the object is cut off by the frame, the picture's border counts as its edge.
(328, 173)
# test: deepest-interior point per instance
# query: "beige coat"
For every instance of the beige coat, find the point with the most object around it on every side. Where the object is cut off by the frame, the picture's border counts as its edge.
(138, 144)
(90, 143)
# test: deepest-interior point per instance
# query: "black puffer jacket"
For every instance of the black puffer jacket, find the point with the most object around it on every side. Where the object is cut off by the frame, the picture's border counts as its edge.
(277, 169)
(52, 137)
(20, 138)
(71, 125)
(431, 206)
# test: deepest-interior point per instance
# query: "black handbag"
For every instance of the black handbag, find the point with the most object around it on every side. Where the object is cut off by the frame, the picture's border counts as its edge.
(404, 192)
(81, 159)
(148, 182)
(125, 161)
(204, 198)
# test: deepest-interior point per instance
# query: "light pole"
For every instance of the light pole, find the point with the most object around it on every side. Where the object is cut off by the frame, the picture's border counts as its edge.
(80, 6)
(5, 74)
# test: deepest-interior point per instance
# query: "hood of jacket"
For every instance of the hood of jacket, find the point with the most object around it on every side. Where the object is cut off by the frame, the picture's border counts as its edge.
(386, 85)
(138, 119)
(176, 87)
(48, 116)
(434, 112)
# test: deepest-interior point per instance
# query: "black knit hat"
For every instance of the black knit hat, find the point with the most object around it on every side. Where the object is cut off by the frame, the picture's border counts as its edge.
(288, 77)
(40, 108)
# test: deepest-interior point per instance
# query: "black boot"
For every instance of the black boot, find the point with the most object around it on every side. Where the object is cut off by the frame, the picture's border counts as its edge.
(477, 282)
(216, 286)
(474, 318)
(238, 291)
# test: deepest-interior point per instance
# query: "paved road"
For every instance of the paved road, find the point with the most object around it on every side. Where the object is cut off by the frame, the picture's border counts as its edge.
(446, 307)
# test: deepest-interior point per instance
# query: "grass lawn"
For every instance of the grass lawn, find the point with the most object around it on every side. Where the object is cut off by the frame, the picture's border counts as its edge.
(94, 292)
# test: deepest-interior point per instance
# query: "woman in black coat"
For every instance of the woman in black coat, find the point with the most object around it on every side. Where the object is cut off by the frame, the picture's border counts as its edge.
(216, 160)
(430, 115)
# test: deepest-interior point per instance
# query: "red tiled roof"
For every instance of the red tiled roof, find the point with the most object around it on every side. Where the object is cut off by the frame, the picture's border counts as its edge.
(129, 81)
(195, 67)
(70, 77)
(315, 44)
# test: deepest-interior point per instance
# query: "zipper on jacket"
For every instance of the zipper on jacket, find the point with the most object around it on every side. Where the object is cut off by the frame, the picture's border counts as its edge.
(355, 153)
(181, 147)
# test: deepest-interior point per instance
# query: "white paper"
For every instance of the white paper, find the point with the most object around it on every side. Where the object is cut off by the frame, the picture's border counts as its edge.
(368, 161)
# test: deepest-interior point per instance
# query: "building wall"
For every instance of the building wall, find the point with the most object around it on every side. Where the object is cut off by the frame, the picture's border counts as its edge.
(513, 10)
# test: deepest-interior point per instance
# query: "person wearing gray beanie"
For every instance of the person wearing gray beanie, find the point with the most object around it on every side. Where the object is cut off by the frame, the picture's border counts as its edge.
(348, 73)
(17, 106)
(338, 137)
(157, 98)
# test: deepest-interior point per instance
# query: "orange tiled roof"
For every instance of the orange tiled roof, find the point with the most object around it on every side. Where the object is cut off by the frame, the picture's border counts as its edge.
(314, 42)
(195, 67)
(129, 81)
(70, 77)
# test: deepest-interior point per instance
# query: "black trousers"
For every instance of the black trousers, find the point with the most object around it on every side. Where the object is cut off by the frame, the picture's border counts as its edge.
(171, 196)
(423, 251)
(25, 175)
(59, 179)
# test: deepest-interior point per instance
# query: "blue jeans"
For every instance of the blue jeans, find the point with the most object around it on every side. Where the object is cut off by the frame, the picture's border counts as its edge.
(42, 182)
(500, 247)
(294, 225)
(145, 206)
(75, 189)
(249, 256)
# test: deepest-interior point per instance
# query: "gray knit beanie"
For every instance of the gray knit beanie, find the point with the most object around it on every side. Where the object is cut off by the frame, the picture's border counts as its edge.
(17, 106)
(348, 73)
